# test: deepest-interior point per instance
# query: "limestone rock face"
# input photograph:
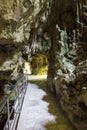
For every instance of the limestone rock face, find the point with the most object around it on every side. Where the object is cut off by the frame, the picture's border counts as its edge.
(20, 23)
(40, 64)
(67, 73)
(60, 26)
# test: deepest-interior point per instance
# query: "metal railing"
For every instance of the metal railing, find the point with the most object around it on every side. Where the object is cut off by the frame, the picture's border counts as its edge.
(11, 108)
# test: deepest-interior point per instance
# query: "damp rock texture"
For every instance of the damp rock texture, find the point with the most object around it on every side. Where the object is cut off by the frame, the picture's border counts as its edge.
(67, 73)
(57, 28)
(21, 22)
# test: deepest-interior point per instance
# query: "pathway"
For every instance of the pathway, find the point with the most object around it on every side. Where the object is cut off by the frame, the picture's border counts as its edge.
(36, 77)
(34, 114)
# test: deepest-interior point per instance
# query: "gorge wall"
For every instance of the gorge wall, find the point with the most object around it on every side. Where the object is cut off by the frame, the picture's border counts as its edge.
(58, 27)
(20, 25)
(67, 74)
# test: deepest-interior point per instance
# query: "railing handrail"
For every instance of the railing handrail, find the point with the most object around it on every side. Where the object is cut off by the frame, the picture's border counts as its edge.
(19, 91)
(8, 96)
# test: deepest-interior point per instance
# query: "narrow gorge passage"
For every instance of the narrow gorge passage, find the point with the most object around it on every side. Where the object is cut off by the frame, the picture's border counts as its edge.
(44, 37)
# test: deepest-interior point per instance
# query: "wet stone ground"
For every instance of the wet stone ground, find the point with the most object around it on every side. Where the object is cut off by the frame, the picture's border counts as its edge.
(62, 122)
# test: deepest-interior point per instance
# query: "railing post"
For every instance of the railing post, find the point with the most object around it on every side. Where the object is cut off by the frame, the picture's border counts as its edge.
(18, 89)
(8, 109)
(26, 76)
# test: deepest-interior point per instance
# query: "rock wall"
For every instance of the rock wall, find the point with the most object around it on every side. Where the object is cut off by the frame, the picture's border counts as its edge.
(68, 59)
(20, 25)
(39, 64)
(29, 26)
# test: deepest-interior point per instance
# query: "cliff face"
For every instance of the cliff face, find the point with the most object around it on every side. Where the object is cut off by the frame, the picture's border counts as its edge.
(68, 63)
(20, 22)
(60, 26)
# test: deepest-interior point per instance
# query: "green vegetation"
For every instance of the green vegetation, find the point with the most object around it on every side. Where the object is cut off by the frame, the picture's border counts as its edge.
(40, 64)
(43, 70)
(62, 123)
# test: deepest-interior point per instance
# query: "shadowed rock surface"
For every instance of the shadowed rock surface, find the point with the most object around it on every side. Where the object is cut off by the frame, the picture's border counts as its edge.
(57, 28)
